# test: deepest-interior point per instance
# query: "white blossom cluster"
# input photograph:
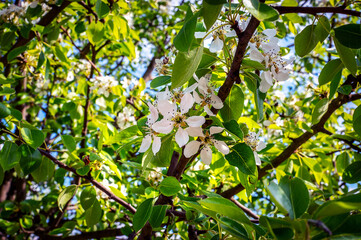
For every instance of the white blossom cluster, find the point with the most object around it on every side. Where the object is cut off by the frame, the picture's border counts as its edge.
(171, 113)
(126, 118)
(264, 49)
(252, 140)
(41, 86)
(103, 85)
(13, 12)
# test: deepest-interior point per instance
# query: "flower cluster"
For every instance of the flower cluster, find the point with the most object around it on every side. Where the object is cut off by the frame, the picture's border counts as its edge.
(171, 112)
(264, 49)
(252, 140)
(13, 12)
(41, 86)
(103, 85)
(126, 118)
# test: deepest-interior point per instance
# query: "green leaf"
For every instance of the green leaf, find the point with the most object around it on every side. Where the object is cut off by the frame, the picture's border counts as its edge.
(357, 120)
(349, 35)
(16, 52)
(291, 195)
(279, 228)
(95, 32)
(215, 2)
(345, 89)
(339, 206)
(342, 161)
(242, 157)
(210, 13)
(170, 186)
(261, 11)
(88, 197)
(30, 159)
(93, 214)
(160, 81)
(347, 56)
(259, 98)
(143, 214)
(163, 157)
(224, 207)
(248, 63)
(322, 29)
(233, 105)
(335, 82)
(319, 110)
(34, 138)
(306, 41)
(234, 228)
(41, 60)
(157, 216)
(60, 54)
(352, 173)
(9, 155)
(329, 71)
(66, 195)
(44, 172)
(233, 127)
(102, 9)
(4, 111)
(1, 175)
(185, 64)
(185, 36)
(69, 142)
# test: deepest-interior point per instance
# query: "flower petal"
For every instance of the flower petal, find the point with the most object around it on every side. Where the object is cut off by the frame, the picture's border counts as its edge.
(153, 116)
(216, 45)
(156, 144)
(195, 131)
(208, 111)
(261, 145)
(206, 155)
(221, 146)
(216, 101)
(215, 130)
(270, 32)
(191, 148)
(200, 34)
(147, 140)
(256, 157)
(163, 126)
(195, 121)
(181, 137)
(167, 109)
(186, 103)
(196, 97)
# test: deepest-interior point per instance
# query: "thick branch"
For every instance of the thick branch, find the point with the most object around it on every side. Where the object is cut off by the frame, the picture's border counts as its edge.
(317, 10)
(90, 179)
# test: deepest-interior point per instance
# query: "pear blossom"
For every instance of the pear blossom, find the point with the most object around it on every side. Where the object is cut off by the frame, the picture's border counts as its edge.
(41, 86)
(70, 77)
(252, 140)
(205, 142)
(151, 134)
(103, 85)
(126, 118)
(242, 25)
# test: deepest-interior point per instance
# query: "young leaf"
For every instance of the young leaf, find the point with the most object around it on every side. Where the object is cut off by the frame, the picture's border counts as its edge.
(66, 195)
(185, 64)
(143, 214)
(30, 159)
(261, 11)
(233, 127)
(88, 197)
(357, 120)
(233, 105)
(93, 214)
(349, 35)
(69, 142)
(242, 157)
(9, 155)
(169, 186)
(210, 13)
(347, 56)
(185, 36)
(306, 41)
(45, 171)
(329, 71)
(319, 110)
(33, 137)
(157, 216)
(160, 81)
(322, 29)
(4, 111)
(102, 9)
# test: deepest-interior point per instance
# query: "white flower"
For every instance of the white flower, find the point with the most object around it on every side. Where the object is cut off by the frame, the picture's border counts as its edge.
(103, 85)
(172, 118)
(41, 86)
(147, 140)
(252, 140)
(242, 25)
(206, 141)
(70, 76)
(126, 118)
(217, 40)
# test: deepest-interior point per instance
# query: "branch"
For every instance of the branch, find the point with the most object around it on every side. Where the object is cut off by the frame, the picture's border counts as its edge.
(332, 107)
(348, 142)
(244, 209)
(316, 10)
(320, 225)
(90, 179)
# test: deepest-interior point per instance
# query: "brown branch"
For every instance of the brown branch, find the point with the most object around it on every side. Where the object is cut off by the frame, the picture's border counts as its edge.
(317, 10)
(90, 179)
(332, 107)
(348, 142)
